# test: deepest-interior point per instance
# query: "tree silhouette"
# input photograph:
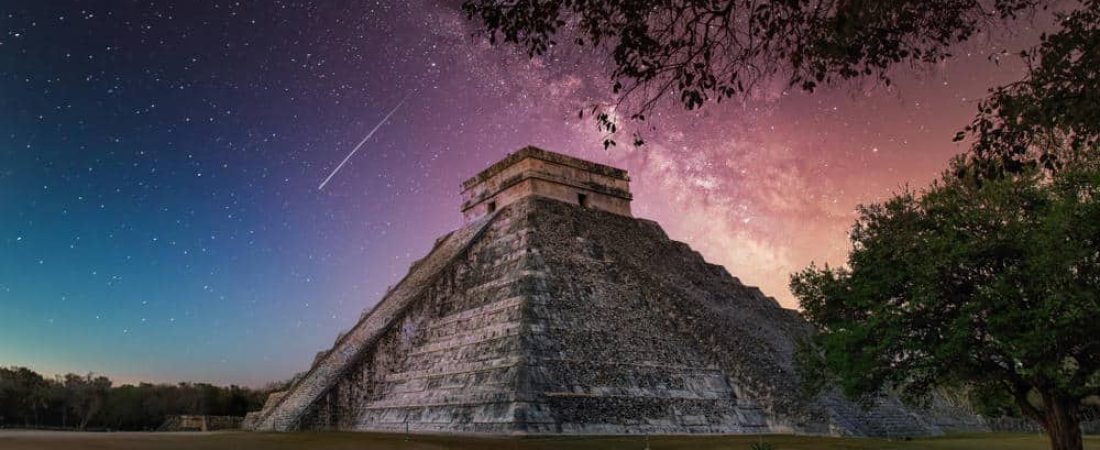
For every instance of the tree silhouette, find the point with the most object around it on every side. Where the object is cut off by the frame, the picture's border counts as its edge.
(88, 401)
(1052, 116)
(708, 50)
(988, 282)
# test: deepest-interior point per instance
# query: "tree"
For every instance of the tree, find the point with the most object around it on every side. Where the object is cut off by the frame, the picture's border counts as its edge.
(700, 51)
(60, 401)
(89, 394)
(23, 395)
(991, 282)
(124, 410)
(1051, 116)
(27, 398)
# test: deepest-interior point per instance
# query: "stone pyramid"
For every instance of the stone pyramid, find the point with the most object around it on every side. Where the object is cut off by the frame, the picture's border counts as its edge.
(553, 311)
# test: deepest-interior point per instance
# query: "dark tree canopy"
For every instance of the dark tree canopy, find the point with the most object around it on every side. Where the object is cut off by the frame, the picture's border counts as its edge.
(701, 50)
(1051, 116)
(993, 284)
(708, 50)
(27, 399)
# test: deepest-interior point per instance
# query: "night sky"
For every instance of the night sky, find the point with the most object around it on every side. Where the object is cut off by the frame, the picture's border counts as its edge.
(159, 162)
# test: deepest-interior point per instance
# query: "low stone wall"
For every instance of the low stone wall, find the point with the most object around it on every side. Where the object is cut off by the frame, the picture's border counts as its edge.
(201, 423)
(1020, 425)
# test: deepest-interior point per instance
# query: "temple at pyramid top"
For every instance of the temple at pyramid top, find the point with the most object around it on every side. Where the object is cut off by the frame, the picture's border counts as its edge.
(532, 171)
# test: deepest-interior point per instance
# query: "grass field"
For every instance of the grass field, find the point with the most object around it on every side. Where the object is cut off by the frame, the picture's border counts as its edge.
(43, 440)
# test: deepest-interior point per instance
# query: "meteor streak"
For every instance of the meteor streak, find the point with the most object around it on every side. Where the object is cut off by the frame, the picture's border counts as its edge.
(364, 141)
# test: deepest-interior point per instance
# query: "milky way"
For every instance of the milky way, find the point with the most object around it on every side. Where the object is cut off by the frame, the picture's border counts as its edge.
(159, 212)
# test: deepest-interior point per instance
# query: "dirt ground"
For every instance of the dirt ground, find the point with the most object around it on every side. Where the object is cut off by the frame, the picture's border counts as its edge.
(235, 440)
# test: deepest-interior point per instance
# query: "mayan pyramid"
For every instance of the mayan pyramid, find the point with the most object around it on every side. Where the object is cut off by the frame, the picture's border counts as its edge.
(554, 311)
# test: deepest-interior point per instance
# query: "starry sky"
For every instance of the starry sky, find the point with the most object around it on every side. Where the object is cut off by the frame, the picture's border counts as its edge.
(159, 162)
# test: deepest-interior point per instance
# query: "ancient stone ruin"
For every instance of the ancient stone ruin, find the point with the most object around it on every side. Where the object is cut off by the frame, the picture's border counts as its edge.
(554, 311)
(200, 423)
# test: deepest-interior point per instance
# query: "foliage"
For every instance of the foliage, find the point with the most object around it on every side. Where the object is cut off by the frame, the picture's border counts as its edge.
(992, 282)
(86, 395)
(1053, 114)
(28, 399)
(993, 402)
(22, 394)
(698, 51)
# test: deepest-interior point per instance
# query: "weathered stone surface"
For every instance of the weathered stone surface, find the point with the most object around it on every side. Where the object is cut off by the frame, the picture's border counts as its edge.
(1021, 425)
(548, 317)
(532, 171)
(286, 411)
(200, 423)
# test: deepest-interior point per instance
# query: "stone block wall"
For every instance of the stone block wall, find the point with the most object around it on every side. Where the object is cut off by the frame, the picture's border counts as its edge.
(695, 314)
(200, 423)
(1022, 425)
(451, 362)
(547, 318)
(535, 172)
(287, 411)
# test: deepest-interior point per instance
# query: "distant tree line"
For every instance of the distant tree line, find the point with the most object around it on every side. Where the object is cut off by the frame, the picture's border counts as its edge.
(28, 399)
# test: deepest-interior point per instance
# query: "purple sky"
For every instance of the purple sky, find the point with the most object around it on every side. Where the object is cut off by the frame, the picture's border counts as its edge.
(159, 168)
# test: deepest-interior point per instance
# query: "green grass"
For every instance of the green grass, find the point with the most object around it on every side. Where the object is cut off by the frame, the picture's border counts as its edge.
(35, 440)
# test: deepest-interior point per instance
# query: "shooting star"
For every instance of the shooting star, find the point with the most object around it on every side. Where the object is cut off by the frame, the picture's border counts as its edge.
(364, 141)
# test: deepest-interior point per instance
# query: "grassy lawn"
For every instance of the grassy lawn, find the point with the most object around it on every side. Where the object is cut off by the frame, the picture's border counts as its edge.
(36, 440)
